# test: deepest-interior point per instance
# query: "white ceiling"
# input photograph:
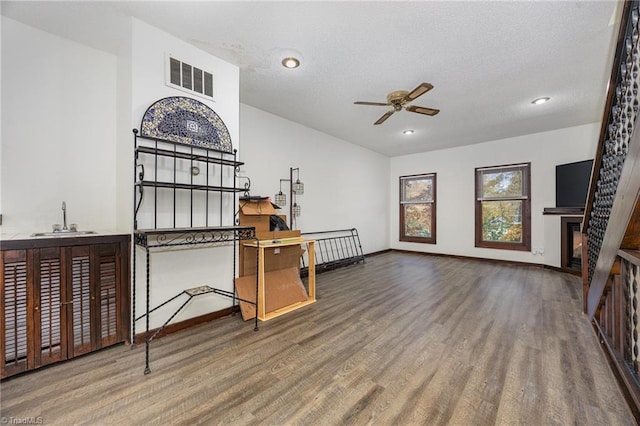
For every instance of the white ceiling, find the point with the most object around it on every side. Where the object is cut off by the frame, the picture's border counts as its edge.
(486, 60)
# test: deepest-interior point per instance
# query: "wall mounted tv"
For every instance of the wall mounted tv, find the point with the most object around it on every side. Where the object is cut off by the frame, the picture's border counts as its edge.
(572, 184)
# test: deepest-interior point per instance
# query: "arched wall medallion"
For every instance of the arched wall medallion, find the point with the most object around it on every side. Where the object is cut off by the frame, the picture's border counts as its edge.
(188, 121)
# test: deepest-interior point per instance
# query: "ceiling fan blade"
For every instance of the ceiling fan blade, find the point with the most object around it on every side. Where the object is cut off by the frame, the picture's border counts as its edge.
(384, 117)
(371, 103)
(418, 91)
(422, 110)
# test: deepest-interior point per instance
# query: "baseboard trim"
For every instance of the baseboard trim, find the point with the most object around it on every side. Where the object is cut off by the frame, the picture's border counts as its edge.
(188, 323)
(481, 259)
(565, 270)
(484, 259)
(376, 253)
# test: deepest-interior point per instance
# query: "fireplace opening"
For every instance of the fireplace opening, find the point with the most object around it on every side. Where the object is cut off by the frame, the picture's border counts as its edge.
(571, 241)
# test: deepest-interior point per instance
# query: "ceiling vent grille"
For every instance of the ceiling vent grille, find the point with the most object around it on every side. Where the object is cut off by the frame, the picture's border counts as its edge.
(189, 78)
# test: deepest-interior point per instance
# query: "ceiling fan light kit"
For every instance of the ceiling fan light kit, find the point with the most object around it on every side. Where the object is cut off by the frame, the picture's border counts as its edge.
(400, 98)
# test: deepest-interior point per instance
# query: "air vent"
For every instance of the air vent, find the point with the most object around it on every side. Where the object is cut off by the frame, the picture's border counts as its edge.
(189, 78)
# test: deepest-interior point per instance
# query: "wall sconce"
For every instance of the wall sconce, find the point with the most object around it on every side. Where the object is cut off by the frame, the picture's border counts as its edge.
(295, 188)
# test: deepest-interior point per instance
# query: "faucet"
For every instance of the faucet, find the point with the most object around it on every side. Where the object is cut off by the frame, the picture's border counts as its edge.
(64, 216)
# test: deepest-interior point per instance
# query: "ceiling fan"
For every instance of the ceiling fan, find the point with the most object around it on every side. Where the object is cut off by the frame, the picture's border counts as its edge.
(399, 98)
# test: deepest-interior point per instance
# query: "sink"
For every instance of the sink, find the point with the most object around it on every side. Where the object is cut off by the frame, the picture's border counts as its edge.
(62, 233)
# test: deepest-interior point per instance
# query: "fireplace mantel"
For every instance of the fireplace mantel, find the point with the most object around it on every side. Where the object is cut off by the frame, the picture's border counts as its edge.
(566, 211)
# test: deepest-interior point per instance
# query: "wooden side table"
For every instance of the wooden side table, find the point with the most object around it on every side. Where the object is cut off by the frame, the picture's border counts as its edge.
(261, 245)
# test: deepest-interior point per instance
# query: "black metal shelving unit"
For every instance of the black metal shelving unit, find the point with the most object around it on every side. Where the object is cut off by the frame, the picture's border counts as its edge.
(171, 170)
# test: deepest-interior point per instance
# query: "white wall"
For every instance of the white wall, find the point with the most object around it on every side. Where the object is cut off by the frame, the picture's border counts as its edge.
(177, 270)
(150, 47)
(67, 115)
(346, 186)
(149, 52)
(1, 197)
(124, 125)
(455, 191)
(58, 132)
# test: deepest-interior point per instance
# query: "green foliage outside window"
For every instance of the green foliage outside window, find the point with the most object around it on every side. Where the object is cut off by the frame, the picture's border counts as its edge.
(502, 221)
(417, 208)
(417, 220)
(502, 215)
(502, 184)
(418, 189)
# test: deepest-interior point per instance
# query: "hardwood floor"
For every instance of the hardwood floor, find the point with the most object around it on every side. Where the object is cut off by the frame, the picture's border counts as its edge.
(403, 339)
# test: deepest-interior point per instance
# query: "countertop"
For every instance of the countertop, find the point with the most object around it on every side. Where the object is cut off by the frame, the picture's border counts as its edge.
(18, 240)
(29, 236)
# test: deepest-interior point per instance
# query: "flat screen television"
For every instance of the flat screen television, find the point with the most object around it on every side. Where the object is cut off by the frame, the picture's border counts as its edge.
(572, 184)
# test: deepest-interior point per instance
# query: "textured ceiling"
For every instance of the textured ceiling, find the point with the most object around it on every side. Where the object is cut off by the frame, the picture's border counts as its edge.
(486, 60)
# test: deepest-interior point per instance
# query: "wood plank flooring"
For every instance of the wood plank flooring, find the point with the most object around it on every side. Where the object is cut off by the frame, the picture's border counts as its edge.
(404, 339)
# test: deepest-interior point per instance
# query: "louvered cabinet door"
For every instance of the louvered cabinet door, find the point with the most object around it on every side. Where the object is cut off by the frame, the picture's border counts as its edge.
(97, 286)
(79, 300)
(17, 330)
(58, 302)
(108, 315)
(49, 307)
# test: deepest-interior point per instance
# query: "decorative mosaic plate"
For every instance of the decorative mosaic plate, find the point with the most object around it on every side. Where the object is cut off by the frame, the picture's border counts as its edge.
(188, 121)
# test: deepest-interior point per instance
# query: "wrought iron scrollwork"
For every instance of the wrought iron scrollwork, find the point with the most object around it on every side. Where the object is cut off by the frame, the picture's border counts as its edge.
(247, 184)
(140, 194)
(140, 239)
(190, 237)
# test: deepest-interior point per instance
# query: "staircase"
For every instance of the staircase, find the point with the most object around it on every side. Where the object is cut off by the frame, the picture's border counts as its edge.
(611, 228)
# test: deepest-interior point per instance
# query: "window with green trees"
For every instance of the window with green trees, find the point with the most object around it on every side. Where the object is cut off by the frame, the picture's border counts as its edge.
(503, 207)
(418, 208)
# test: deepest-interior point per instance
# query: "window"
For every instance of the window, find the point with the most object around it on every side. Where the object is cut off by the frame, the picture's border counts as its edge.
(418, 208)
(503, 207)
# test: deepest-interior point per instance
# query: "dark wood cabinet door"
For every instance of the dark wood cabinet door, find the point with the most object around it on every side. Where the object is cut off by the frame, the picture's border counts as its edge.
(50, 342)
(98, 288)
(60, 302)
(108, 293)
(16, 333)
(80, 301)
(33, 326)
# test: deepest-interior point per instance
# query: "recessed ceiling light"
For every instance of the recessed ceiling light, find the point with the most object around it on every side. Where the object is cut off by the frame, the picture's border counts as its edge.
(540, 101)
(290, 62)
(408, 132)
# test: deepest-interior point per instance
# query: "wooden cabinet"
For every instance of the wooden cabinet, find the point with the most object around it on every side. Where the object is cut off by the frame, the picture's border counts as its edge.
(61, 298)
